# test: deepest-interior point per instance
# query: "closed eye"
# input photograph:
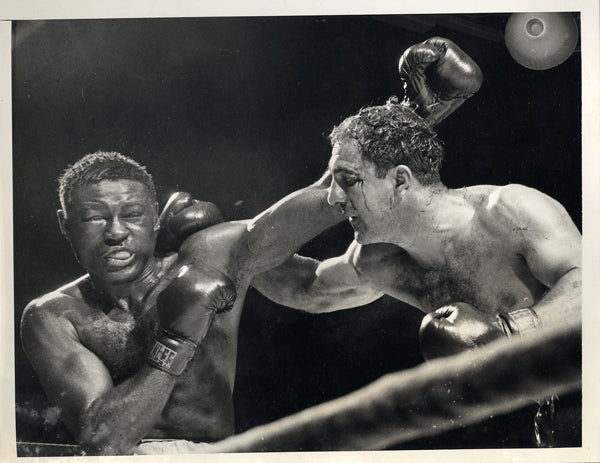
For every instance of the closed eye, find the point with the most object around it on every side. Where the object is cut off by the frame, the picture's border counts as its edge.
(94, 218)
(348, 181)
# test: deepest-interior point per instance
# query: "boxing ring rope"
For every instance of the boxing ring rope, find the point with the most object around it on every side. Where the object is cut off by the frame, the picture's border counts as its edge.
(435, 397)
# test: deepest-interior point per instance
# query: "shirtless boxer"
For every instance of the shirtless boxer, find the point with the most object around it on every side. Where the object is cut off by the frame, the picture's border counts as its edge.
(482, 261)
(124, 351)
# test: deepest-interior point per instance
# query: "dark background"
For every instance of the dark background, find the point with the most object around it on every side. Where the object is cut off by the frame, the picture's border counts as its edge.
(236, 111)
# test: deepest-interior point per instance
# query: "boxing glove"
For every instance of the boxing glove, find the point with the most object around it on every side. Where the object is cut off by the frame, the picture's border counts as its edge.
(186, 309)
(438, 77)
(456, 327)
(181, 217)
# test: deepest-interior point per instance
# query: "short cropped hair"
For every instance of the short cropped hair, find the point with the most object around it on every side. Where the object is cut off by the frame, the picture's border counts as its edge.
(393, 134)
(96, 167)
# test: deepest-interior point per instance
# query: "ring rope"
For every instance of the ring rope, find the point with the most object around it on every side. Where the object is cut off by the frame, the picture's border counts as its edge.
(435, 397)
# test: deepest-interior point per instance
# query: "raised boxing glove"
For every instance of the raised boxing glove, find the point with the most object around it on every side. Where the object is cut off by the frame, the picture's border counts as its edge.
(438, 77)
(186, 309)
(456, 327)
(181, 217)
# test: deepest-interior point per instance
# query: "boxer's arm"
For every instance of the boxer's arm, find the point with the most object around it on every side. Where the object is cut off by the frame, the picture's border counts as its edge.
(278, 232)
(104, 418)
(317, 286)
(544, 234)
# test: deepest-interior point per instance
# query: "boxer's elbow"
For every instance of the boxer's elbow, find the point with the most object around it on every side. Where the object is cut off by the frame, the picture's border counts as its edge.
(103, 437)
(319, 302)
(103, 444)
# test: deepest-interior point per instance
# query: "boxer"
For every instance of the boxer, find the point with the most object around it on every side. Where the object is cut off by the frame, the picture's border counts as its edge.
(483, 261)
(142, 346)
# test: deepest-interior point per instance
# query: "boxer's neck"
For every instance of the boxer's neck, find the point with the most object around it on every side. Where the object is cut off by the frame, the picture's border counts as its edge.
(131, 296)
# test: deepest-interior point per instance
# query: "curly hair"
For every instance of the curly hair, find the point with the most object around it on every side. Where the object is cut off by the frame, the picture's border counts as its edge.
(96, 167)
(393, 134)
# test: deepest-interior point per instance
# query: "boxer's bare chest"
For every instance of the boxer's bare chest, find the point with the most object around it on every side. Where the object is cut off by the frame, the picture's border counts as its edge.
(119, 338)
(482, 273)
(475, 269)
(200, 406)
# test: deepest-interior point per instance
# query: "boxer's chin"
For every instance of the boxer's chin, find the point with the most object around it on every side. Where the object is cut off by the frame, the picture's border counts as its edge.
(361, 231)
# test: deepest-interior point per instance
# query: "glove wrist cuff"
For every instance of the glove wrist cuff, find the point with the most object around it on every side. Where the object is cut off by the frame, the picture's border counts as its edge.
(518, 322)
(171, 353)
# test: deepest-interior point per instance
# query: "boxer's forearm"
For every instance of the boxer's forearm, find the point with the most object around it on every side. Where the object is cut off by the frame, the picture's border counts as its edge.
(561, 305)
(115, 422)
(282, 229)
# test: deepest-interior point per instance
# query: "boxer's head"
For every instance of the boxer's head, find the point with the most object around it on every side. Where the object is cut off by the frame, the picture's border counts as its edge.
(377, 154)
(109, 215)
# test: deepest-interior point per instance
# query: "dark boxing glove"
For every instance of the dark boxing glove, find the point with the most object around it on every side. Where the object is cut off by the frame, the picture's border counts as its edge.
(438, 77)
(454, 328)
(186, 309)
(181, 217)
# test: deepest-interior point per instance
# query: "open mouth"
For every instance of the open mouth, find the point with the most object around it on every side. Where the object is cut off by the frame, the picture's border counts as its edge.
(118, 258)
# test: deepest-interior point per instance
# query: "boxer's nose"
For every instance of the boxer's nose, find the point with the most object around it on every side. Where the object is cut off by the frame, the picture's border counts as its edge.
(116, 232)
(336, 194)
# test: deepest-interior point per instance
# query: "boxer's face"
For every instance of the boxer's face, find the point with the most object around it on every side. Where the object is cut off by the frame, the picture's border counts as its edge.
(365, 199)
(112, 227)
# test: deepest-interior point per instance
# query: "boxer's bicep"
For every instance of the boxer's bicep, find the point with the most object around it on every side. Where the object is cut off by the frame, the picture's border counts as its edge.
(71, 375)
(307, 284)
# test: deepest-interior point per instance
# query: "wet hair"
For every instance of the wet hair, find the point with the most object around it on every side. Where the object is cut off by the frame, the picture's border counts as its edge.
(393, 134)
(96, 167)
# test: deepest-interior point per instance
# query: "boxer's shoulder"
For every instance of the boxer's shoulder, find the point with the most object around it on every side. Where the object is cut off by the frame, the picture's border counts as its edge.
(57, 310)
(219, 237)
(222, 246)
(505, 197)
(511, 207)
(63, 298)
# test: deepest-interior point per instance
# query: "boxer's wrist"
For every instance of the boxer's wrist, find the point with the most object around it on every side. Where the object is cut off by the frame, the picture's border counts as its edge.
(518, 322)
(171, 353)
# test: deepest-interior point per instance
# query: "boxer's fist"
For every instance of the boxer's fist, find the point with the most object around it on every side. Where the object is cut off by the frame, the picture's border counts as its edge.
(438, 77)
(187, 307)
(454, 328)
(181, 217)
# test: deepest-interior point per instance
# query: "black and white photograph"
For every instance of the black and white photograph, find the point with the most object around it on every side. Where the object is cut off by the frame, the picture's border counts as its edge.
(321, 230)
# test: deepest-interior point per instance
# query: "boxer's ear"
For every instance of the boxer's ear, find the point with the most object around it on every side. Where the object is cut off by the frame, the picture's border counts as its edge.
(62, 223)
(403, 177)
